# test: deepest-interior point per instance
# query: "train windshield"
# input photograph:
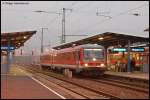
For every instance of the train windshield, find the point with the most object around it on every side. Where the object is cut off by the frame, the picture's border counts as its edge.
(93, 54)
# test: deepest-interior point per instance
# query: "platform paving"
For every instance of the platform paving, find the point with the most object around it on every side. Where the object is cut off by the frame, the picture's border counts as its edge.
(17, 85)
(135, 74)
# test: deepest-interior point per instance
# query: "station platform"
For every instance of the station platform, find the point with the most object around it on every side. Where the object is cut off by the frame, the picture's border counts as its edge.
(16, 84)
(135, 74)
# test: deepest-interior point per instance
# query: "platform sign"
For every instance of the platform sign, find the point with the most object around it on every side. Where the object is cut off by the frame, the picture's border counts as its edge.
(119, 50)
(6, 48)
(137, 49)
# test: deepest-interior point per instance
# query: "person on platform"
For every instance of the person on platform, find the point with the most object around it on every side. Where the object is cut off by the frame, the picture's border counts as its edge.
(133, 64)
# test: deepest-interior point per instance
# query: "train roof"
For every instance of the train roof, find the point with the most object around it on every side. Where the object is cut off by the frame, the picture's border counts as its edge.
(75, 48)
(89, 46)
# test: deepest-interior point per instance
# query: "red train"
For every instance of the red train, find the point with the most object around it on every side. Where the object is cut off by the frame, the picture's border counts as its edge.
(84, 58)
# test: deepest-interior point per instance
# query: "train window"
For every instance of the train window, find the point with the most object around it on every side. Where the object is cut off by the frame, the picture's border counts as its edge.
(93, 54)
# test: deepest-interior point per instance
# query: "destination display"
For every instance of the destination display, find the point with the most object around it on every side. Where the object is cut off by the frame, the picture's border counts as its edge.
(6, 48)
(119, 50)
(137, 49)
(132, 49)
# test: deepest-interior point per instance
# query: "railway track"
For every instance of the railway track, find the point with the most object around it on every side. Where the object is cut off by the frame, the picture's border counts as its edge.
(124, 84)
(104, 88)
(121, 84)
(84, 93)
(127, 80)
(96, 93)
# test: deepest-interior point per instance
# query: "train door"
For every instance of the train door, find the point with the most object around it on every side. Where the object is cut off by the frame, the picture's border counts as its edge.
(77, 57)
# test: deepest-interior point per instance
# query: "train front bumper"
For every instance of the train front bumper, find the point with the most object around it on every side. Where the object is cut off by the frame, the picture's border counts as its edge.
(96, 68)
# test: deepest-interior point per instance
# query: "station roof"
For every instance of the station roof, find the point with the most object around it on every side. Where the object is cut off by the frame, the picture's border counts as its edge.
(106, 39)
(17, 39)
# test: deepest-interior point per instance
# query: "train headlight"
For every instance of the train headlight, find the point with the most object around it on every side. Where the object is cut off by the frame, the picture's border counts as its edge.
(85, 65)
(102, 65)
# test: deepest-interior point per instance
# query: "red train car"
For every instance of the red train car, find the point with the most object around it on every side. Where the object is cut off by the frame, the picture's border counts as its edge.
(83, 58)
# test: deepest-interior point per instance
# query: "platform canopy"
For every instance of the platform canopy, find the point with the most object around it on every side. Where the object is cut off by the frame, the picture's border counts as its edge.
(107, 39)
(15, 39)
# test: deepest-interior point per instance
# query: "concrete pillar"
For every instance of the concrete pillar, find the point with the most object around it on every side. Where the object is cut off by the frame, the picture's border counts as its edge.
(105, 53)
(129, 60)
(68, 73)
(8, 55)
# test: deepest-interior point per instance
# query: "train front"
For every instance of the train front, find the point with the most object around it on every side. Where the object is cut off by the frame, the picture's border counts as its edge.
(93, 60)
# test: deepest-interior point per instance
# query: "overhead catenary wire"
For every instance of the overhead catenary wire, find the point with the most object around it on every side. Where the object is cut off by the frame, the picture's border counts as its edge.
(70, 13)
(53, 20)
(49, 23)
(76, 10)
(122, 13)
(63, 20)
(89, 27)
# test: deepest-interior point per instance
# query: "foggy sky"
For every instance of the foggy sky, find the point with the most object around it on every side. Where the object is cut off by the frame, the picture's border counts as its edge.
(82, 19)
